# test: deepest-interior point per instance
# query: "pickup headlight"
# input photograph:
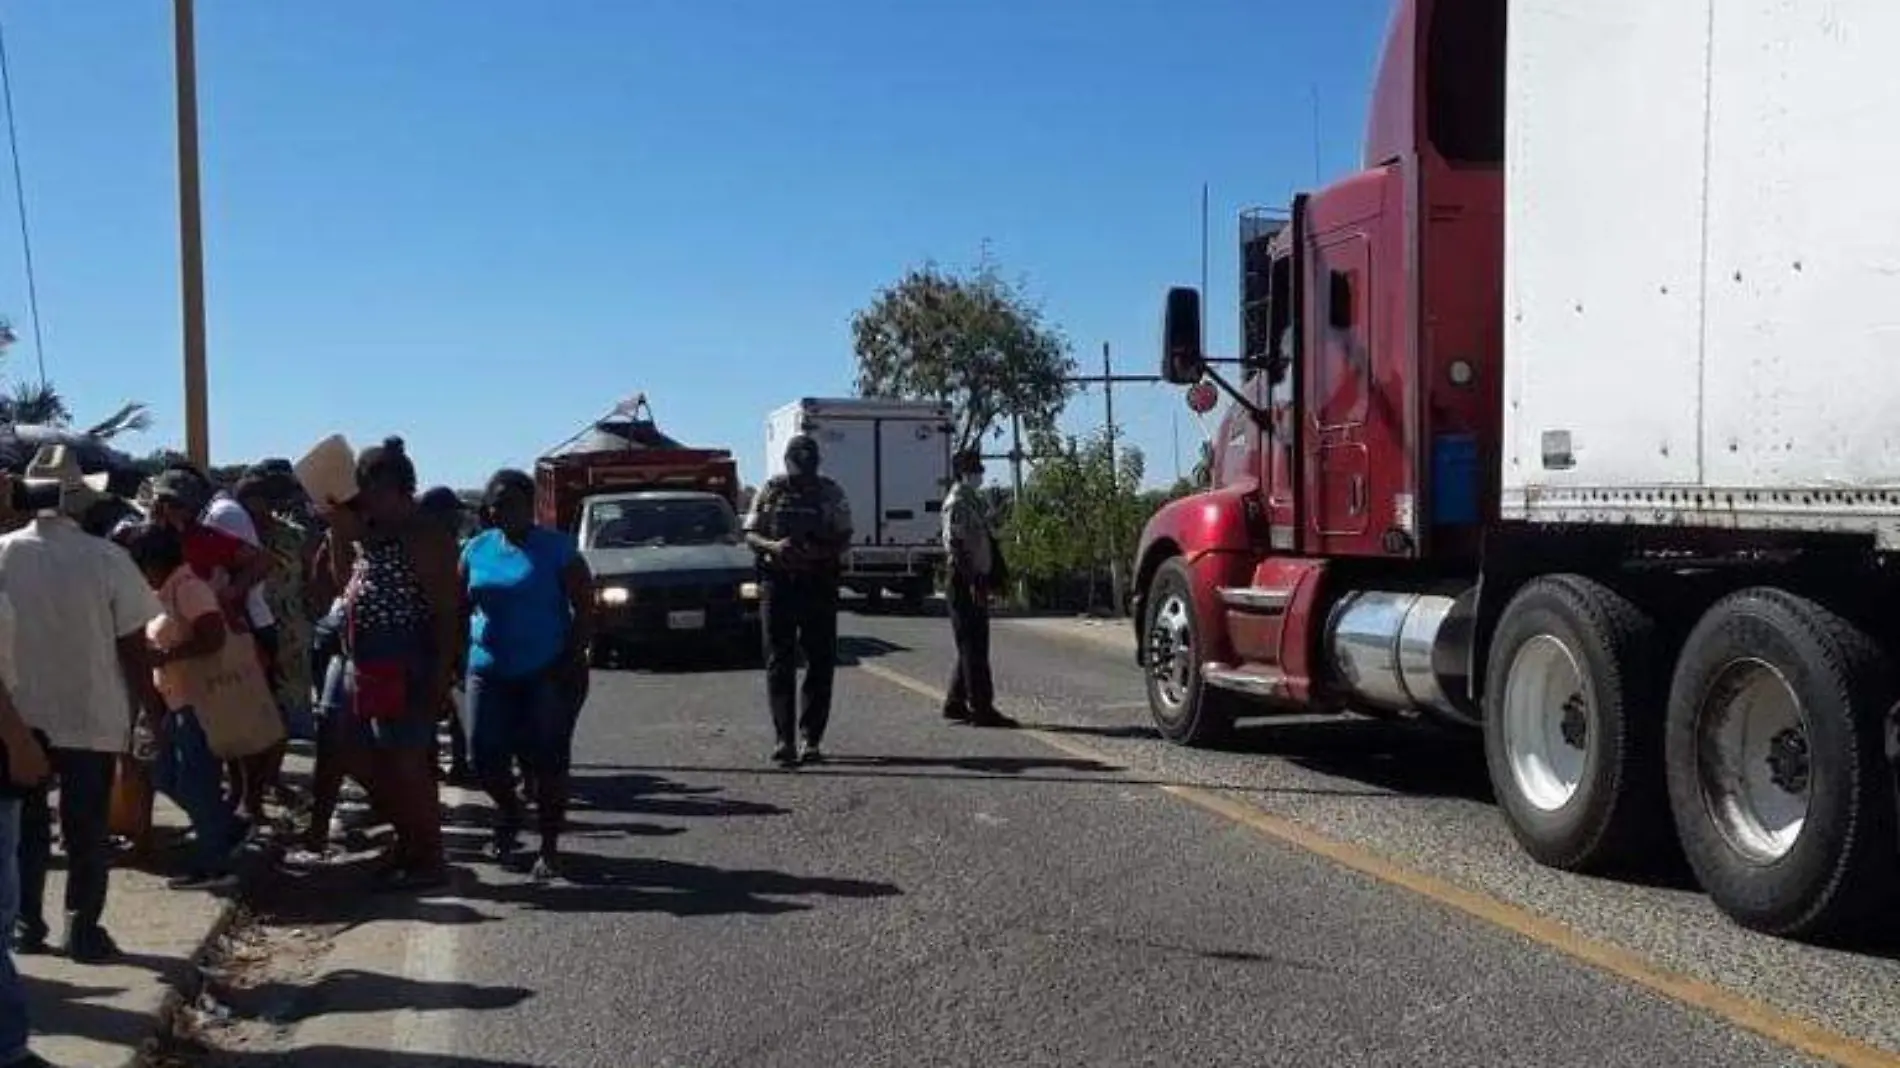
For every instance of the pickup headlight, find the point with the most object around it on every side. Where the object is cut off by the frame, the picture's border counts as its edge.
(613, 596)
(748, 591)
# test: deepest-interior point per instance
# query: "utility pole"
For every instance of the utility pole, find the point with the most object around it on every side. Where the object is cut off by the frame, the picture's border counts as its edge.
(1015, 458)
(1108, 380)
(191, 267)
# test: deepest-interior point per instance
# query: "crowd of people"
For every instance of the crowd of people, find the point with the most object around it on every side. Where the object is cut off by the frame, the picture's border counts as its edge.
(179, 640)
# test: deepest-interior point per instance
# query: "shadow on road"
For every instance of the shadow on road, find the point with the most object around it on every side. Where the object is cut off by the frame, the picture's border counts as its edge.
(1417, 760)
(849, 767)
(479, 817)
(854, 649)
(982, 765)
(352, 1057)
(636, 793)
(1130, 732)
(598, 884)
(61, 1008)
(1402, 758)
(350, 992)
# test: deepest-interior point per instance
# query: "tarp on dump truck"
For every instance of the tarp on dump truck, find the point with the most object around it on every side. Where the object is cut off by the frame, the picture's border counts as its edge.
(621, 452)
(616, 434)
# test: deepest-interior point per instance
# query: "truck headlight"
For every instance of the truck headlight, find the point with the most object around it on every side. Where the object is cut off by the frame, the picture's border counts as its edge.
(613, 596)
(748, 591)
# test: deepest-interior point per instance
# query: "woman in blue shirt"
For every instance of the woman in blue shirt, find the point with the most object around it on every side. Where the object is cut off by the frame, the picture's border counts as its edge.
(529, 601)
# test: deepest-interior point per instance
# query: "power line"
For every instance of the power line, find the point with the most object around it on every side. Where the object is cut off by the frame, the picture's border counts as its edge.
(19, 199)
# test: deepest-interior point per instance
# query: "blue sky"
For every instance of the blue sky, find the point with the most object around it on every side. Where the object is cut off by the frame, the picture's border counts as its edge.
(479, 222)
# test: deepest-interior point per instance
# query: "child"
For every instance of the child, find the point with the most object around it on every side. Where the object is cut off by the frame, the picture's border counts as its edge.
(192, 628)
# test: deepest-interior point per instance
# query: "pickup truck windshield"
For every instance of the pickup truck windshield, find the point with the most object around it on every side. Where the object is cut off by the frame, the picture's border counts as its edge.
(638, 524)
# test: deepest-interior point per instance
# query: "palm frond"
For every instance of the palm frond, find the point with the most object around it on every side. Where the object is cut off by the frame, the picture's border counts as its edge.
(132, 418)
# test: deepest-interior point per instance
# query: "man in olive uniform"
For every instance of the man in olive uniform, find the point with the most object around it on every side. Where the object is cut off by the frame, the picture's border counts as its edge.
(974, 560)
(800, 525)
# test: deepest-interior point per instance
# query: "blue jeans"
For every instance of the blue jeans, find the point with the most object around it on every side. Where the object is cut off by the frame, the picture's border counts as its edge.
(186, 772)
(526, 717)
(13, 1023)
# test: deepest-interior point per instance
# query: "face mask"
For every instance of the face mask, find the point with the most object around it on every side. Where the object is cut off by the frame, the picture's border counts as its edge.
(801, 463)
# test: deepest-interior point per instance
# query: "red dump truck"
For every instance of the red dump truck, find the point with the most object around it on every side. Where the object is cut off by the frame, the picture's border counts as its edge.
(1570, 419)
(657, 523)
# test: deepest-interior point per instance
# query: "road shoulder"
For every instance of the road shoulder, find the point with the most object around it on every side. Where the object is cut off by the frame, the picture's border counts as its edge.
(107, 1016)
(1113, 635)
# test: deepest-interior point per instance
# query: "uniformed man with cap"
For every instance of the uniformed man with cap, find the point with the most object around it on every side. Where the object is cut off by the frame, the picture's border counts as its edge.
(976, 571)
(799, 525)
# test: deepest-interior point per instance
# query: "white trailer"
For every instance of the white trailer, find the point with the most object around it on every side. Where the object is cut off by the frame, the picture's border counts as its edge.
(1700, 446)
(892, 459)
(1702, 289)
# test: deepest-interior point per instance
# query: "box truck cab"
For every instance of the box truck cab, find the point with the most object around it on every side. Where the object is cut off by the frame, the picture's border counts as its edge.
(1567, 420)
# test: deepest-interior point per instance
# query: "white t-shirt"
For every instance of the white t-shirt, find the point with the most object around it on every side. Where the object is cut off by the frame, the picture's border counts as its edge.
(227, 515)
(74, 597)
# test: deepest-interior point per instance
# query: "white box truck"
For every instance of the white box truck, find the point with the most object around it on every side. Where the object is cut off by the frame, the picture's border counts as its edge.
(892, 459)
(1573, 418)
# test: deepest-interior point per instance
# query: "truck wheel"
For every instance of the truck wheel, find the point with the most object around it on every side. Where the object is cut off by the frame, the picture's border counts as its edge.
(916, 592)
(1572, 724)
(1183, 706)
(1778, 775)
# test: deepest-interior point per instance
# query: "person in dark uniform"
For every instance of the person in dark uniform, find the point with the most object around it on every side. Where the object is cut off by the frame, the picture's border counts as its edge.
(800, 525)
(974, 571)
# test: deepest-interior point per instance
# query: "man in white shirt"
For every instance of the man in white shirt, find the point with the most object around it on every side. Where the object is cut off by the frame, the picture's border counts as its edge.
(79, 664)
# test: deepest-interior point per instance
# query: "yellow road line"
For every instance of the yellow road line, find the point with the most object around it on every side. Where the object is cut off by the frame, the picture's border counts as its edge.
(1793, 1031)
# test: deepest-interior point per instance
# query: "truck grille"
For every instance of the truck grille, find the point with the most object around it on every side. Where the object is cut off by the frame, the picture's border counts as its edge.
(687, 596)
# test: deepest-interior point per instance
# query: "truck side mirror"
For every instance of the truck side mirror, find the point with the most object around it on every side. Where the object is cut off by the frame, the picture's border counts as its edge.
(1183, 362)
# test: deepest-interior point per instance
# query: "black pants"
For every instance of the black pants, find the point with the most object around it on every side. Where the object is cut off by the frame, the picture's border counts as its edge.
(801, 613)
(972, 690)
(85, 802)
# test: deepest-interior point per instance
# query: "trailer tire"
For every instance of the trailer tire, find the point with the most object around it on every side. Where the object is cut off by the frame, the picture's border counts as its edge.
(1185, 709)
(1573, 725)
(1777, 714)
(916, 592)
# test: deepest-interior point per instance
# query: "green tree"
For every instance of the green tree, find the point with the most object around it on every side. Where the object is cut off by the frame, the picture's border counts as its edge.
(1081, 514)
(975, 341)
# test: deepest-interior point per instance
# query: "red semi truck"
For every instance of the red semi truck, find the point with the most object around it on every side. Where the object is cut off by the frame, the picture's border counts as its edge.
(1573, 419)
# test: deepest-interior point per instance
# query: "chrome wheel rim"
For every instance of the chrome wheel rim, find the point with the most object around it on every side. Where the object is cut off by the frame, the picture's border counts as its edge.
(1549, 720)
(1752, 761)
(1171, 654)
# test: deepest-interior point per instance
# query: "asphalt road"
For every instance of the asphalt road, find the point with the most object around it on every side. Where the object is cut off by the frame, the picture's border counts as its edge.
(1076, 894)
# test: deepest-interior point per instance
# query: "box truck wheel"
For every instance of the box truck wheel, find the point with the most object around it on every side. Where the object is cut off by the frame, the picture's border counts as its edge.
(916, 591)
(1184, 707)
(1778, 775)
(1572, 724)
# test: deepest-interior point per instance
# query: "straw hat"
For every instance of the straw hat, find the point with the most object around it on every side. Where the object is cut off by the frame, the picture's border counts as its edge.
(60, 465)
